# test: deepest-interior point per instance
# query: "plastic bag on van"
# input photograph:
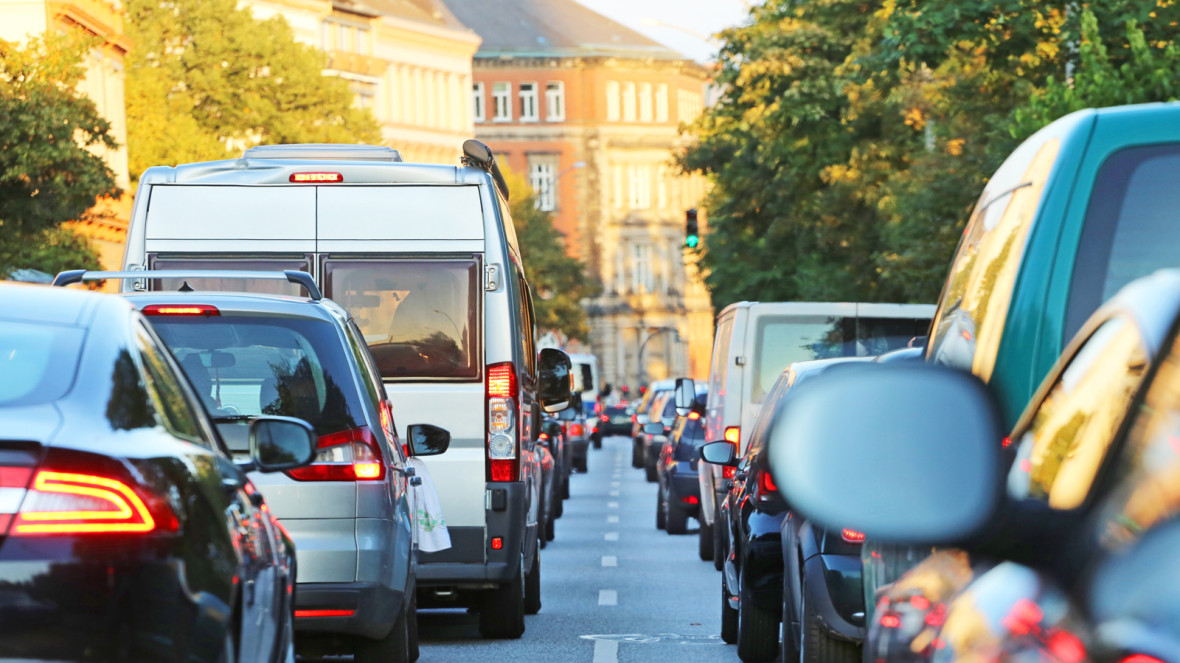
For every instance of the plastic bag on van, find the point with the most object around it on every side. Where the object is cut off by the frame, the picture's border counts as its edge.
(432, 525)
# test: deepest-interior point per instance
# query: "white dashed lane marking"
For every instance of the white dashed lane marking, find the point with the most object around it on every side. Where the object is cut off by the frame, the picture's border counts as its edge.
(608, 597)
(606, 651)
(611, 536)
(610, 560)
(612, 519)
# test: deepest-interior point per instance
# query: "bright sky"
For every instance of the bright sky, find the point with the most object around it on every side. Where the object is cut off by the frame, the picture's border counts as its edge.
(684, 25)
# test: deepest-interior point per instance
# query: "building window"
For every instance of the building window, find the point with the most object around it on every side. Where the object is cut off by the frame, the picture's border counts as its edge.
(555, 101)
(612, 101)
(346, 37)
(662, 187)
(628, 102)
(642, 276)
(645, 114)
(528, 102)
(501, 102)
(661, 103)
(543, 180)
(478, 112)
(639, 185)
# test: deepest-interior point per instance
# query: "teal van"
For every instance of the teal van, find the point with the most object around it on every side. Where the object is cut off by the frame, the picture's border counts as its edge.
(1086, 205)
(1083, 207)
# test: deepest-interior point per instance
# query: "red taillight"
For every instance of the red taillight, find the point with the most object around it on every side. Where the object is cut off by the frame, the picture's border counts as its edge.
(766, 483)
(74, 503)
(728, 471)
(1067, 647)
(920, 602)
(576, 429)
(300, 614)
(853, 536)
(604, 418)
(693, 416)
(497, 543)
(503, 470)
(351, 455)
(543, 436)
(177, 309)
(1140, 658)
(690, 499)
(1007, 442)
(634, 419)
(502, 381)
(889, 620)
(315, 178)
(733, 435)
(937, 615)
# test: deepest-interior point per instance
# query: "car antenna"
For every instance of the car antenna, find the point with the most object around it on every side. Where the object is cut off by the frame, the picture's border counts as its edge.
(185, 287)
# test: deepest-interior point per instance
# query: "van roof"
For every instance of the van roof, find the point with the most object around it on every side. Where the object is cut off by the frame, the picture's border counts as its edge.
(274, 167)
(817, 308)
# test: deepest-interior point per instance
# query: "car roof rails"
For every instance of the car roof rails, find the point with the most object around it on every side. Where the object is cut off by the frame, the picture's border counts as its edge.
(478, 155)
(290, 275)
(333, 151)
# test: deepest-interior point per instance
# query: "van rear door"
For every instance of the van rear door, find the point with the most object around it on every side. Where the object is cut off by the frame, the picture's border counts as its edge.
(230, 219)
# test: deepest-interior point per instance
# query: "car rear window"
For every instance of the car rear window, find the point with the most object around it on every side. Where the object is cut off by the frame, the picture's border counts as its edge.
(783, 340)
(37, 362)
(419, 317)
(244, 366)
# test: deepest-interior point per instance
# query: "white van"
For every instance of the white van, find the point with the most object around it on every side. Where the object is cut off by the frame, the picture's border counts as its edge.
(755, 341)
(425, 257)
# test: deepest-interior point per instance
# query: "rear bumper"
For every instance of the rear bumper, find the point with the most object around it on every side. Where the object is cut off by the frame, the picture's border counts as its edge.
(683, 485)
(652, 449)
(578, 447)
(472, 562)
(375, 607)
(834, 589)
(113, 610)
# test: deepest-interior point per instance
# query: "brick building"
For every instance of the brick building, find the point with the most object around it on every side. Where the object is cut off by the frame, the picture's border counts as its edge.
(590, 111)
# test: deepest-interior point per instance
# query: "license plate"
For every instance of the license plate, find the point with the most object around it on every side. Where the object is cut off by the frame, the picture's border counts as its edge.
(620, 420)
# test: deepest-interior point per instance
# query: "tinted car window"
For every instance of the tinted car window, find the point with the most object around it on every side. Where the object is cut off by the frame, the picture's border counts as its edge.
(38, 362)
(1131, 227)
(1068, 437)
(419, 318)
(169, 397)
(1147, 476)
(244, 366)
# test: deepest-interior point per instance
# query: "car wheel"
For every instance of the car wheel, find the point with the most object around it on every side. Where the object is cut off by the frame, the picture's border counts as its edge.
(661, 516)
(597, 440)
(229, 652)
(652, 474)
(550, 530)
(729, 618)
(565, 492)
(393, 648)
(817, 646)
(582, 466)
(501, 613)
(757, 631)
(719, 543)
(677, 519)
(636, 455)
(788, 637)
(415, 649)
(532, 588)
(705, 541)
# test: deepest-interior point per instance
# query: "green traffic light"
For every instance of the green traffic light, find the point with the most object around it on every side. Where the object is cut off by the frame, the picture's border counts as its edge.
(691, 241)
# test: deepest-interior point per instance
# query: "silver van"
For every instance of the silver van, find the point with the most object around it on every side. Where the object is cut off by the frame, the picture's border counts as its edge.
(755, 341)
(425, 258)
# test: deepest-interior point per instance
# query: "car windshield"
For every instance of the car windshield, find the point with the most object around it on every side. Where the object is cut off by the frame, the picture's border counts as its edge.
(245, 366)
(419, 318)
(37, 362)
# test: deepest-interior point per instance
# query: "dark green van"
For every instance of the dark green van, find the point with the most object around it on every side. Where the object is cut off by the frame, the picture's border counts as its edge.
(1080, 209)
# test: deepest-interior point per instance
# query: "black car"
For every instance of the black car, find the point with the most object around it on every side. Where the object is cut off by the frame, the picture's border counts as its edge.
(575, 434)
(553, 437)
(1055, 542)
(127, 531)
(678, 496)
(663, 412)
(615, 420)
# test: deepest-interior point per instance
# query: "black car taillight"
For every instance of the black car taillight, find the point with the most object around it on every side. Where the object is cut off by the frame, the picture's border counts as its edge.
(351, 455)
(502, 454)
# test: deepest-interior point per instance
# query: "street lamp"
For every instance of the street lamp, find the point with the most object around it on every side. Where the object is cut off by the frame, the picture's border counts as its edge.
(654, 333)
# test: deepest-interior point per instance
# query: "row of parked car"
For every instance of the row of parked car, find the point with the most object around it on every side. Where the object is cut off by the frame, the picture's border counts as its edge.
(214, 465)
(1005, 489)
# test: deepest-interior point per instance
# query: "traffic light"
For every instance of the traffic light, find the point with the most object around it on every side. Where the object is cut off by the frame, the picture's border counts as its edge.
(692, 235)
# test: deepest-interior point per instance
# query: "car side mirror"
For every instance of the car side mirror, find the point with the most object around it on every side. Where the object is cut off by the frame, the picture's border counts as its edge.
(281, 443)
(653, 428)
(553, 380)
(686, 395)
(427, 440)
(918, 462)
(719, 453)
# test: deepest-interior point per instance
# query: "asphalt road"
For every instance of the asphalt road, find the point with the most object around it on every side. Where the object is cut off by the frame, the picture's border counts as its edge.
(613, 587)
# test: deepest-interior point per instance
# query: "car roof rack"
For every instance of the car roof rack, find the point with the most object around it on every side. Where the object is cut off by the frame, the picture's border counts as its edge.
(333, 151)
(290, 275)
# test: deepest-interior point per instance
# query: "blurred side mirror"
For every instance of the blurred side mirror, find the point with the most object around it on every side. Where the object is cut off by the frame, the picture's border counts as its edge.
(281, 443)
(427, 440)
(917, 461)
(719, 453)
(653, 428)
(686, 395)
(553, 380)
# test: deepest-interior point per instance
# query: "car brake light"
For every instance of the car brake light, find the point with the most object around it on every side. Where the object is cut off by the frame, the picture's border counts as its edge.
(728, 471)
(187, 309)
(576, 430)
(503, 462)
(604, 418)
(1066, 647)
(351, 455)
(690, 499)
(733, 435)
(634, 419)
(693, 416)
(766, 483)
(1140, 658)
(315, 178)
(300, 614)
(75, 503)
(853, 536)
(889, 620)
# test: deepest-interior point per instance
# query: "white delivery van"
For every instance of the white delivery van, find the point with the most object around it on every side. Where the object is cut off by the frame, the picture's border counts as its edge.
(425, 257)
(755, 341)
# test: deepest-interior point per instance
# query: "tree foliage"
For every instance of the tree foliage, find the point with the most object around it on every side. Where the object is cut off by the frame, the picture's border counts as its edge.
(559, 281)
(49, 170)
(853, 137)
(206, 76)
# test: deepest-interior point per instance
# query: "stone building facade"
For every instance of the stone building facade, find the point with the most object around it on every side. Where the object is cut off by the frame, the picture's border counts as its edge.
(589, 111)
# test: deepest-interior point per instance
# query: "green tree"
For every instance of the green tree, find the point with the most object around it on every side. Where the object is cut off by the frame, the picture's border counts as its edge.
(206, 76)
(559, 281)
(49, 171)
